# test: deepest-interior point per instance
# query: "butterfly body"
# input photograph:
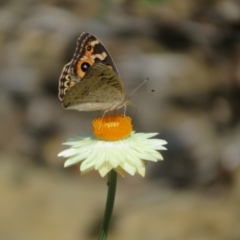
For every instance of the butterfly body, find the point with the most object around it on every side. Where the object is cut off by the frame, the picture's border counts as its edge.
(90, 81)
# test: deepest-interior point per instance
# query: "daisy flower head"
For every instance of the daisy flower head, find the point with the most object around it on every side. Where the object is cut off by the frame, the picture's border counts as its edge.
(115, 146)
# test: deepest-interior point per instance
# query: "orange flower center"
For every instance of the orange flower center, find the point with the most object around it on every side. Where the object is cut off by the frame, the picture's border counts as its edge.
(112, 127)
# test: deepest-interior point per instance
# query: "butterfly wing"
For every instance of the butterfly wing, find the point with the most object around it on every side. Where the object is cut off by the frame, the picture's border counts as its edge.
(100, 89)
(88, 51)
(64, 81)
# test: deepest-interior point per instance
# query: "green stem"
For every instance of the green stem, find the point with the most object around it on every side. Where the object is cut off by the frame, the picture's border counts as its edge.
(112, 183)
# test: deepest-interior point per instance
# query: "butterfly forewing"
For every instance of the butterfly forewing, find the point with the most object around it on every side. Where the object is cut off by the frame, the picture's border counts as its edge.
(89, 50)
(64, 81)
(90, 81)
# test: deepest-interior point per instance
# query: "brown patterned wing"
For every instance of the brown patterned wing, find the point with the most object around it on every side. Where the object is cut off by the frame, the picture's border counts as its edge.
(64, 81)
(88, 51)
(100, 89)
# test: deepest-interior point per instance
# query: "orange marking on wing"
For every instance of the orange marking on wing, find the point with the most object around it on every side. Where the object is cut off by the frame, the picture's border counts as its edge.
(88, 53)
(80, 72)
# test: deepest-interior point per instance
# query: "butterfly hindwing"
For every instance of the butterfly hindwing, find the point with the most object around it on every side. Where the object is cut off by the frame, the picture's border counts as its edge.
(100, 89)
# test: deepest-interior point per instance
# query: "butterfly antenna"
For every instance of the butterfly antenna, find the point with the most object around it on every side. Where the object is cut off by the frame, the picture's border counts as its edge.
(144, 92)
(146, 80)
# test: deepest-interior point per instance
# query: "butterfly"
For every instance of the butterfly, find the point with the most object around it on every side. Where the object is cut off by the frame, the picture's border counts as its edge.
(90, 81)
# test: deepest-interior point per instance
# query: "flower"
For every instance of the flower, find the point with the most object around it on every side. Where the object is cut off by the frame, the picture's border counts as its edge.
(123, 151)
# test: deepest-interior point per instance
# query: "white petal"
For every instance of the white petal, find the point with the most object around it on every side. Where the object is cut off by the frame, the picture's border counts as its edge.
(75, 159)
(133, 158)
(145, 135)
(87, 146)
(128, 167)
(150, 157)
(105, 169)
(68, 152)
(100, 159)
(86, 171)
(112, 159)
(88, 163)
(148, 154)
(141, 171)
(120, 155)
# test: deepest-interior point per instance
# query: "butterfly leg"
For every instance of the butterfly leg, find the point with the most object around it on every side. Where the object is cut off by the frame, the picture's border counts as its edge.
(104, 113)
(125, 109)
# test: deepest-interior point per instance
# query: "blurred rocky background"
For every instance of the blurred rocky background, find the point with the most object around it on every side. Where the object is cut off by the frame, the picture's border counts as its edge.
(190, 50)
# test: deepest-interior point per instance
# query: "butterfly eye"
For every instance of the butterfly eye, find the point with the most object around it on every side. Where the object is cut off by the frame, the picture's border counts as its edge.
(85, 66)
(89, 48)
